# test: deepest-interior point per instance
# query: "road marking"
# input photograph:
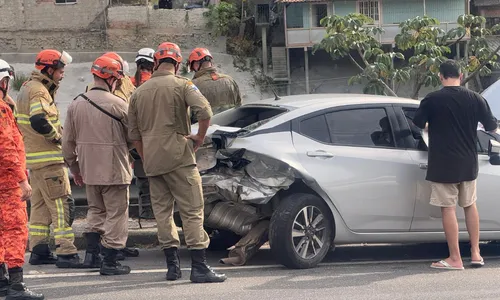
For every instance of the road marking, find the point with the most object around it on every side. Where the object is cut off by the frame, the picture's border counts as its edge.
(41, 275)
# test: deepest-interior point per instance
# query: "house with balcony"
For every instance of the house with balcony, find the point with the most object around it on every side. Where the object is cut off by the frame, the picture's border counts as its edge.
(303, 29)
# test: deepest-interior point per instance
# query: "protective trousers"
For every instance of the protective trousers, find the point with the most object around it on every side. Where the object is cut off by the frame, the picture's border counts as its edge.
(184, 187)
(13, 228)
(108, 214)
(51, 204)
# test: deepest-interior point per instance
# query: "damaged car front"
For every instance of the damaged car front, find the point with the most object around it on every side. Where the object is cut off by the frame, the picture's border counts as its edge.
(248, 165)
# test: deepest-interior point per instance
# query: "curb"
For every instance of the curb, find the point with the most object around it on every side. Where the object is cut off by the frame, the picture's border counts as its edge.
(138, 238)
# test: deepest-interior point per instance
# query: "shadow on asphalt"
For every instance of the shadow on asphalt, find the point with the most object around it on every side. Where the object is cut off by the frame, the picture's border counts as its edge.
(367, 253)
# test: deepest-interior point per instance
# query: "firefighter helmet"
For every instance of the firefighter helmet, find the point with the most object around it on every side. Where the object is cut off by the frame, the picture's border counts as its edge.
(168, 50)
(6, 70)
(52, 59)
(106, 67)
(147, 54)
(115, 56)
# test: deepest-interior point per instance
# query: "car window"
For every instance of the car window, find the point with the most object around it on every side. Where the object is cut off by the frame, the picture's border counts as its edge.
(316, 129)
(416, 132)
(361, 127)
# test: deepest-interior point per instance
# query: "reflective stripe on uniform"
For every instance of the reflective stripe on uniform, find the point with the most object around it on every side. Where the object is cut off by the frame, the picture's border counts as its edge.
(25, 119)
(61, 220)
(60, 233)
(47, 156)
(35, 107)
(39, 230)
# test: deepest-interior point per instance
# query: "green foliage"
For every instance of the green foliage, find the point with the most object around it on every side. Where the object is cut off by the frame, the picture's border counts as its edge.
(223, 19)
(350, 34)
(18, 81)
(422, 36)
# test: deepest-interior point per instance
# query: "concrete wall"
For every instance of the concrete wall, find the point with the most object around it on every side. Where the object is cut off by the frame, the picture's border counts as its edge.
(43, 14)
(31, 25)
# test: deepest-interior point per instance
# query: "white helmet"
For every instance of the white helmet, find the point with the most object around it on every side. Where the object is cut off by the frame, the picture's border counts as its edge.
(6, 70)
(147, 54)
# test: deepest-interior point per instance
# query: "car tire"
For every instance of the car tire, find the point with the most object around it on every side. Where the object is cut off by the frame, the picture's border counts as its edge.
(297, 252)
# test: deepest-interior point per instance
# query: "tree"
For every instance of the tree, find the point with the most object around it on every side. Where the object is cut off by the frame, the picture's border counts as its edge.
(350, 36)
(421, 36)
(426, 41)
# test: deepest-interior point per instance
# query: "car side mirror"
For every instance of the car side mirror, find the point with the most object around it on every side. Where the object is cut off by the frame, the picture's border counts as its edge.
(494, 152)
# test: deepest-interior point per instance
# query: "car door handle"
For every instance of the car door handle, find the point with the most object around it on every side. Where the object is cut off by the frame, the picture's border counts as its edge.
(319, 153)
(422, 166)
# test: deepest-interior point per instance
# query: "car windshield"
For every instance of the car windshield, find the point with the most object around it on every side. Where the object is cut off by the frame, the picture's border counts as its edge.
(247, 117)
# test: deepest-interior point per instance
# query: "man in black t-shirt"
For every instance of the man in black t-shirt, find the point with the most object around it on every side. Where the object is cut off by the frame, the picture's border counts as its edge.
(452, 115)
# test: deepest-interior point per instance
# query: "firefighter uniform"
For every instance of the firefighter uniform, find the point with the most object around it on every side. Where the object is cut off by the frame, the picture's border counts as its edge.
(51, 202)
(13, 217)
(220, 90)
(125, 88)
(156, 117)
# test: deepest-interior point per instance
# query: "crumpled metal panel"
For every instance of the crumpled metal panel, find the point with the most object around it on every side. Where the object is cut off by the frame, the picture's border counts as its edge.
(270, 172)
(257, 182)
(205, 158)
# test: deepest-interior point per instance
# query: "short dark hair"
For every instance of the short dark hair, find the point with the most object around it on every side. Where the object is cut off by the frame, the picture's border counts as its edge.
(450, 69)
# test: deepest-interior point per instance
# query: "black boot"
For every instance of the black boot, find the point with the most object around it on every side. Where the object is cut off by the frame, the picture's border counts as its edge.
(17, 289)
(41, 255)
(110, 266)
(130, 252)
(71, 261)
(200, 271)
(119, 255)
(92, 258)
(173, 263)
(4, 282)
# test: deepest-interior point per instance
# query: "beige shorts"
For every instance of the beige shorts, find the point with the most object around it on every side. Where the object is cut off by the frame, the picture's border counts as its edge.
(448, 194)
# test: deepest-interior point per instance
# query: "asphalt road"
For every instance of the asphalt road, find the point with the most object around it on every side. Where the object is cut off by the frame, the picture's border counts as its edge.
(355, 272)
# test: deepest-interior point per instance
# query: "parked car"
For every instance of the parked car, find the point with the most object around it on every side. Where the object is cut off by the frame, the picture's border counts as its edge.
(329, 169)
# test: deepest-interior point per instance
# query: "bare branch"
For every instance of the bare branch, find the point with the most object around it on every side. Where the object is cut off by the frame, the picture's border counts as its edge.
(457, 41)
(484, 63)
(355, 62)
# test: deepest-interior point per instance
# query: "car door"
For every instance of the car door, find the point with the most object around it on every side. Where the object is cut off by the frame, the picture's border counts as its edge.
(428, 217)
(351, 152)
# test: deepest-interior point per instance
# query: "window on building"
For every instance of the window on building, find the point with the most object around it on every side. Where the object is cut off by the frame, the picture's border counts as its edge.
(319, 11)
(262, 16)
(366, 127)
(370, 8)
(65, 1)
(295, 15)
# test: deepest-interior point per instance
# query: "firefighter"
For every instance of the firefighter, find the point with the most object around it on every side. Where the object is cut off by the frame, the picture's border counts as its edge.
(101, 163)
(145, 64)
(220, 90)
(124, 87)
(38, 117)
(14, 192)
(160, 128)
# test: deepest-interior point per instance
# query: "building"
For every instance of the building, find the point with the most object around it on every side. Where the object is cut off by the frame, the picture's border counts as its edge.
(490, 9)
(303, 29)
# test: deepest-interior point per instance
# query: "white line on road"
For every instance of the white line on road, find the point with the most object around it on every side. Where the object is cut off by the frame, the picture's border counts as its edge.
(41, 275)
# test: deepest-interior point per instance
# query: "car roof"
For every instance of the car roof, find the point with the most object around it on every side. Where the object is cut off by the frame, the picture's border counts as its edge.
(299, 101)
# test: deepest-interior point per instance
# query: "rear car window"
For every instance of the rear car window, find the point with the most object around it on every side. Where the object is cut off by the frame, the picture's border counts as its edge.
(316, 129)
(249, 117)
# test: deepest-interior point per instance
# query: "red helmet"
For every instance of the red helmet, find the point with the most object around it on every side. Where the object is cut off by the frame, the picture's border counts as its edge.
(115, 56)
(168, 50)
(105, 67)
(52, 59)
(199, 54)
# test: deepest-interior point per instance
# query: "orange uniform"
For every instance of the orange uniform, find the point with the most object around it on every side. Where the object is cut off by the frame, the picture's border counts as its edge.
(145, 76)
(13, 215)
